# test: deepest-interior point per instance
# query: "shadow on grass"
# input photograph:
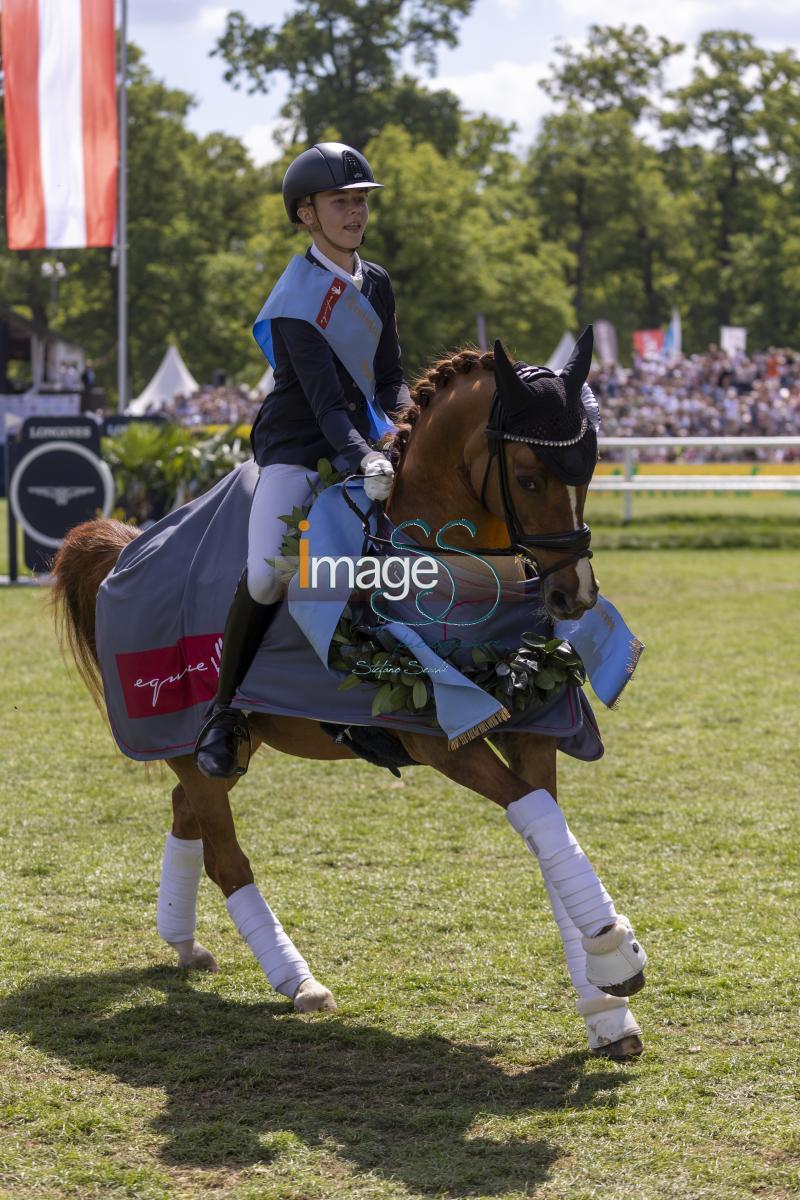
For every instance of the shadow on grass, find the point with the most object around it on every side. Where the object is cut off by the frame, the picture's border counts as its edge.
(239, 1077)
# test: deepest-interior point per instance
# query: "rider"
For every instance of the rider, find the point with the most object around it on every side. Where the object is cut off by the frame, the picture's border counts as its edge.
(316, 410)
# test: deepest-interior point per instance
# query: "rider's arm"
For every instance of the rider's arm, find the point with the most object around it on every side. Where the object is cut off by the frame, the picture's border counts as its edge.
(313, 363)
(391, 390)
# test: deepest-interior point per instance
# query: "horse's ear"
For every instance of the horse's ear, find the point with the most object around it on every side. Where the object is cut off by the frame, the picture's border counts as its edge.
(576, 372)
(505, 376)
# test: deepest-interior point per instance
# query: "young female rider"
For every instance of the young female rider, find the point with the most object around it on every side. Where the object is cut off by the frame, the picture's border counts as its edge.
(317, 409)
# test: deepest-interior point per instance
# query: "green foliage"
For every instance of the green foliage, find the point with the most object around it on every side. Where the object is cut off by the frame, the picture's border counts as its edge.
(598, 218)
(456, 252)
(522, 679)
(156, 467)
(344, 60)
(621, 67)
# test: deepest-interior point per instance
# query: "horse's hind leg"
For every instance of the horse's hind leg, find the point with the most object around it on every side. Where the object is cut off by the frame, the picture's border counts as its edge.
(181, 871)
(228, 866)
(610, 1024)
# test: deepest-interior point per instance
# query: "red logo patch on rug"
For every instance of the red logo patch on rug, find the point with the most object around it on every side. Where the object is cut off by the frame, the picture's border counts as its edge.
(166, 680)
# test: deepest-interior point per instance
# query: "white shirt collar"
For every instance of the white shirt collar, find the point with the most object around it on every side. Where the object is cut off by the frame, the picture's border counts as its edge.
(357, 278)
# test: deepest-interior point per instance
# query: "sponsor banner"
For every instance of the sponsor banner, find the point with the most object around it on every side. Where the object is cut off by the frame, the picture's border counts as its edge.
(648, 343)
(733, 339)
(57, 480)
(605, 343)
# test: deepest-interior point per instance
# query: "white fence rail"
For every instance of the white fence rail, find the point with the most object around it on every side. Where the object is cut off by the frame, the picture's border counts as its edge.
(643, 482)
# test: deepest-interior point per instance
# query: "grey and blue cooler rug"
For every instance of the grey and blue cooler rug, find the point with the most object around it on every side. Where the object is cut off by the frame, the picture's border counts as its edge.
(162, 609)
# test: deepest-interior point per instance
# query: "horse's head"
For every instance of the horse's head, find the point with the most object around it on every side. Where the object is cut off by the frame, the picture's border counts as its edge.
(513, 451)
(545, 446)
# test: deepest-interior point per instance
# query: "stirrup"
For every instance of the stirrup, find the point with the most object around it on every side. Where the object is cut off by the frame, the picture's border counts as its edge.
(230, 721)
(615, 960)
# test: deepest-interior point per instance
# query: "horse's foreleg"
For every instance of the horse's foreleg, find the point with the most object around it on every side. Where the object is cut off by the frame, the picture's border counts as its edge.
(535, 815)
(181, 870)
(610, 1024)
(228, 866)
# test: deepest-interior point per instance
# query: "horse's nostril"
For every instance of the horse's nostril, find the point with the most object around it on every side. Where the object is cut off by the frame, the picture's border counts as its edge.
(558, 599)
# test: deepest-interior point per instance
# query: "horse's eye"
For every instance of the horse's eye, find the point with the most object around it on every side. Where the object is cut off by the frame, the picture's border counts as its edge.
(529, 483)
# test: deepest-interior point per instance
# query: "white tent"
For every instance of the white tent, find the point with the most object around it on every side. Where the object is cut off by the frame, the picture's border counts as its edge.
(560, 356)
(172, 378)
(264, 386)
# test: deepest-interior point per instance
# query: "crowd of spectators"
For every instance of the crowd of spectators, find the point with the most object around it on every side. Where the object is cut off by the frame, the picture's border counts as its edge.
(704, 395)
(232, 404)
(700, 395)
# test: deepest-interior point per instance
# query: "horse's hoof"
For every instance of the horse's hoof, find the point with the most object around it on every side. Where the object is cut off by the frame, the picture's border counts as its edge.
(629, 988)
(313, 997)
(194, 957)
(623, 1050)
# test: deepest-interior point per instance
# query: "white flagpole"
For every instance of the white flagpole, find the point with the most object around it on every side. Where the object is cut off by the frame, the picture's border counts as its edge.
(122, 219)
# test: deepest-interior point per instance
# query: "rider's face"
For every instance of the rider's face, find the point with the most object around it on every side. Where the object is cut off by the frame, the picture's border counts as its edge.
(342, 216)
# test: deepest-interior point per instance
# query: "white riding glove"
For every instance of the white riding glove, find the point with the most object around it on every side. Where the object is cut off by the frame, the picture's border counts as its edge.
(378, 475)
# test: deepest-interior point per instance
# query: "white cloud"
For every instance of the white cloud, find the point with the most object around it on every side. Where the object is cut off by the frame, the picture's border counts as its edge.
(211, 18)
(505, 89)
(682, 19)
(260, 141)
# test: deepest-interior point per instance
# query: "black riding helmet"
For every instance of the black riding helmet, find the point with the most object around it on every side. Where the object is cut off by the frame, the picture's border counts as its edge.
(326, 167)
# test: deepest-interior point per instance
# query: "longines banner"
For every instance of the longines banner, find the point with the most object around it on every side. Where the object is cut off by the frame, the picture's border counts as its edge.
(57, 480)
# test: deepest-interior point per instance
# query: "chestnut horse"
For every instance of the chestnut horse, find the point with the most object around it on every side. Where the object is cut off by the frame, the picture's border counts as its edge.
(446, 467)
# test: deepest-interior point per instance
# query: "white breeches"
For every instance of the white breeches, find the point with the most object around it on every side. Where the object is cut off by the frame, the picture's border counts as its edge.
(280, 488)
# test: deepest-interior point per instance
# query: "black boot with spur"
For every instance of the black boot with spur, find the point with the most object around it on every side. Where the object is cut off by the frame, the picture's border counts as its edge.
(216, 752)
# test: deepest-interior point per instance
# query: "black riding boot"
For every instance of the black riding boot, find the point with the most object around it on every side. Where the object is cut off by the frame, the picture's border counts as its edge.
(217, 750)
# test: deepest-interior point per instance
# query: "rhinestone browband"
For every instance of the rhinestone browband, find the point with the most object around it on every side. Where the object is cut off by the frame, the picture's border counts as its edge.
(516, 437)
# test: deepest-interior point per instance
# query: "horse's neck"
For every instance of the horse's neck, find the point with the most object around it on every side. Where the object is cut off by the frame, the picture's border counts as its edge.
(433, 481)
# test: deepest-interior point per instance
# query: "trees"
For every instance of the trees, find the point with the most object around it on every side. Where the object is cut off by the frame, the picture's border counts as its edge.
(598, 183)
(344, 60)
(735, 146)
(455, 250)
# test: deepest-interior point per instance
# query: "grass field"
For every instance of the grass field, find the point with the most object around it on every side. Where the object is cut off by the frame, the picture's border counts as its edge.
(455, 1066)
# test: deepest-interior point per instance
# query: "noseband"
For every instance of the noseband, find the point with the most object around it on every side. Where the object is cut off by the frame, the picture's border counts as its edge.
(574, 541)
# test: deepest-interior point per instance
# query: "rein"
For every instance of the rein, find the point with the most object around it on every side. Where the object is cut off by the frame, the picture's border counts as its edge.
(575, 541)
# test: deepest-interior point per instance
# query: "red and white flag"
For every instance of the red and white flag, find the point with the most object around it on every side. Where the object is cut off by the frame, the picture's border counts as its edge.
(59, 62)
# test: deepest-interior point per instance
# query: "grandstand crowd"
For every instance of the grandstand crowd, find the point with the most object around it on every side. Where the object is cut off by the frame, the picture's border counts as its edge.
(700, 395)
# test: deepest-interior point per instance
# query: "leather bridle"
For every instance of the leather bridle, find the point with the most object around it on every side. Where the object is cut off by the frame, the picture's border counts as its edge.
(575, 542)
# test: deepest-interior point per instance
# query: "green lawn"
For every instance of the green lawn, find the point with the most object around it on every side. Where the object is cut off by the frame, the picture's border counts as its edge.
(455, 1066)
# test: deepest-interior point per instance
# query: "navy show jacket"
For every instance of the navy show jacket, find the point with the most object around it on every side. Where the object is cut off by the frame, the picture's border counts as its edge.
(316, 409)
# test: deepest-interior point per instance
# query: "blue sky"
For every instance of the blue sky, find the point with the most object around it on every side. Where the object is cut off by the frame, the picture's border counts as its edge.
(504, 49)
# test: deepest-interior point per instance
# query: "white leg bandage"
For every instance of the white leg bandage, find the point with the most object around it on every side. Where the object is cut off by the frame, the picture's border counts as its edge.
(573, 948)
(282, 964)
(608, 1018)
(539, 820)
(181, 871)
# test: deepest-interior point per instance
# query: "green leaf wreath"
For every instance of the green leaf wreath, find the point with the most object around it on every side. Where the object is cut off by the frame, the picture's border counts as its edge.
(523, 679)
